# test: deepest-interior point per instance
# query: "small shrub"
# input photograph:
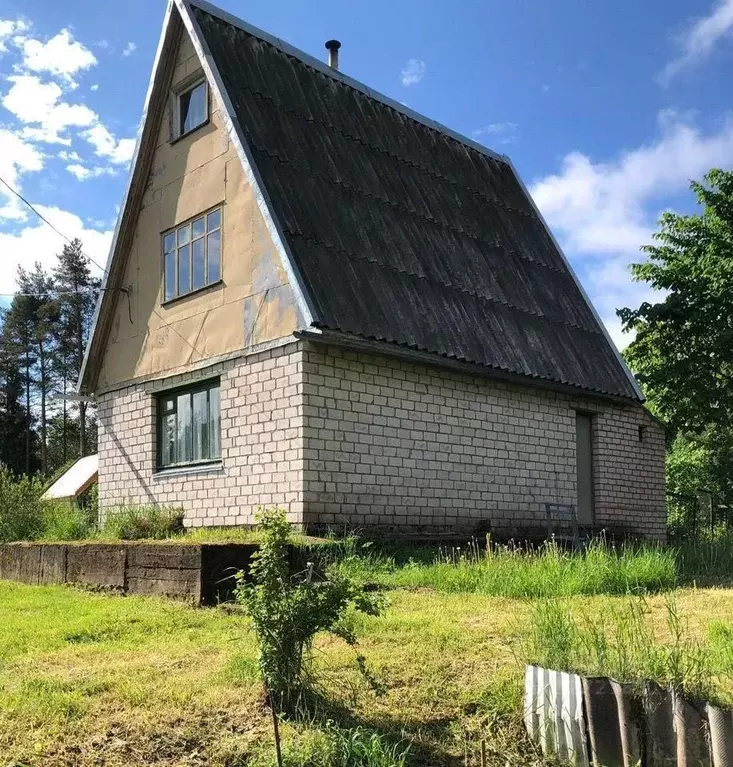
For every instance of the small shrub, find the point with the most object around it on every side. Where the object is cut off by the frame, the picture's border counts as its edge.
(63, 521)
(288, 610)
(21, 511)
(131, 523)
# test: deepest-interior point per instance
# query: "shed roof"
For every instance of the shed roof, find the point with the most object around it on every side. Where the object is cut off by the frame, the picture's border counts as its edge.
(75, 480)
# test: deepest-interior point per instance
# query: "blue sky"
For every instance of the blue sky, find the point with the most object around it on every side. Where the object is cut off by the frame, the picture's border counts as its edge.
(606, 109)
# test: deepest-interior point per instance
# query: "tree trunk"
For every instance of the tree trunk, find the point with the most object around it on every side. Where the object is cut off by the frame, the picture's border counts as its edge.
(27, 409)
(42, 371)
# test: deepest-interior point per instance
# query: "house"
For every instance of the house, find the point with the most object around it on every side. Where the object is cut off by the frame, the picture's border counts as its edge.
(317, 298)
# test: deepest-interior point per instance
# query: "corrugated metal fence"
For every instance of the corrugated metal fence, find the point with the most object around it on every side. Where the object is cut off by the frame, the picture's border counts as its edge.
(598, 721)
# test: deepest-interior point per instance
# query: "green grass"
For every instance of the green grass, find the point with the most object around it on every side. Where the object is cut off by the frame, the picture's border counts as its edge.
(95, 679)
(508, 571)
(624, 643)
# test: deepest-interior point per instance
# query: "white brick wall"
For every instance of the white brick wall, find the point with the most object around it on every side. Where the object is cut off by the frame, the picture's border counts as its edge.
(398, 445)
(261, 444)
(340, 438)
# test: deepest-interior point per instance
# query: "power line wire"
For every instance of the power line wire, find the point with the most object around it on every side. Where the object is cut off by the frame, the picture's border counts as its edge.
(104, 269)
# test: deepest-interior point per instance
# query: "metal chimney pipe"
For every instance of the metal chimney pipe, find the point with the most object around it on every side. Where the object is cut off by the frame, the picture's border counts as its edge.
(333, 53)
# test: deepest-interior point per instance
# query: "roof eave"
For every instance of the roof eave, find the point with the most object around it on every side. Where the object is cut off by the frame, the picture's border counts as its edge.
(372, 346)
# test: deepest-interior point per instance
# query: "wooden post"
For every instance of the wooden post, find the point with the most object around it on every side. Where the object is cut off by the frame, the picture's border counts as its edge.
(276, 728)
(483, 753)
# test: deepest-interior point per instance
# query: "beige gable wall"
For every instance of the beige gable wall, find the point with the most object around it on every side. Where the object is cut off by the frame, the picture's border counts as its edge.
(254, 304)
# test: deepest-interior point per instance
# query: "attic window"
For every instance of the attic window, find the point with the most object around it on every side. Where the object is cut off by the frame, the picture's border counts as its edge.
(192, 255)
(191, 108)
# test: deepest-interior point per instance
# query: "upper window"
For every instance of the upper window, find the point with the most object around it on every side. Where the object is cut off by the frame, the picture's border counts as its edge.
(192, 108)
(192, 255)
(189, 426)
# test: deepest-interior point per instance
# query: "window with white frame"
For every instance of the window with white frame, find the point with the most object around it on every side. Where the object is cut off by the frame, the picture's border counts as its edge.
(191, 108)
(192, 255)
(189, 425)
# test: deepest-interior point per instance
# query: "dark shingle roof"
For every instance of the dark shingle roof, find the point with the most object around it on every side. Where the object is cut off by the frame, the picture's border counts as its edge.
(401, 232)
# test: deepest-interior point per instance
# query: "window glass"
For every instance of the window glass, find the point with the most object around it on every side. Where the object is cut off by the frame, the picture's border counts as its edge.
(199, 265)
(214, 219)
(214, 248)
(200, 425)
(192, 108)
(192, 255)
(199, 227)
(214, 424)
(167, 438)
(170, 275)
(189, 426)
(184, 434)
(184, 270)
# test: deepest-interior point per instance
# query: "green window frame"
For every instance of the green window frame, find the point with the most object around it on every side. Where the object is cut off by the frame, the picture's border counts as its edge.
(188, 427)
(192, 255)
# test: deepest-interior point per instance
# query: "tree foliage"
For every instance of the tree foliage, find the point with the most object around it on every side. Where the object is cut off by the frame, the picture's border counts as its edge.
(43, 335)
(683, 349)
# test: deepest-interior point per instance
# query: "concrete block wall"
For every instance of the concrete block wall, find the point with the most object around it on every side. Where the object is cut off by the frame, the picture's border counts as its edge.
(261, 443)
(404, 446)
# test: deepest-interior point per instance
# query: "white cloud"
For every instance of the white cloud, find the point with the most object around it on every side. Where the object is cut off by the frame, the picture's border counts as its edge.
(697, 42)
(94, 87)
(67, 156)
(503, 132)
(129, 49)
(10, 28)
(40, 243)
(602, 212)
(413, 72)
(16, 157)
(61, 56)
(106, 145)
(82, 173)
(37, 104)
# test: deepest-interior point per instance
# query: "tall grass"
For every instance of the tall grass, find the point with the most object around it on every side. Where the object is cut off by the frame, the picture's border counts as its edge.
(620, 642)
(335, 746)
(21, 510)
(511, 571)
(132, 523)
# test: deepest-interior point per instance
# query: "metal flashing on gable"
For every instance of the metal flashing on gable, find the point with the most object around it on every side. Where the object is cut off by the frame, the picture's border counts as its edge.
(104, 294)
(236, 135)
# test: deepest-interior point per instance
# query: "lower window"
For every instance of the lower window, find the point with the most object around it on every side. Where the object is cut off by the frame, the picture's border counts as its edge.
(189, 426)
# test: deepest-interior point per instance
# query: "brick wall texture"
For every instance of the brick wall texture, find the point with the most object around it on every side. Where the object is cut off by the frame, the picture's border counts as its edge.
(350, 439)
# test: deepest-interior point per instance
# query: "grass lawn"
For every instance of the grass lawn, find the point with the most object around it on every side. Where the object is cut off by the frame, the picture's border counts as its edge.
(94, 679)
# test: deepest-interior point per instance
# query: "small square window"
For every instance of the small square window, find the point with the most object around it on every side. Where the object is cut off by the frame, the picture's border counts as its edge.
(192, 108)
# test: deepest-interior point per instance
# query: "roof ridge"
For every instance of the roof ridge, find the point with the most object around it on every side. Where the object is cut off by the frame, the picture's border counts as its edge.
(338, 76)
(449, 286)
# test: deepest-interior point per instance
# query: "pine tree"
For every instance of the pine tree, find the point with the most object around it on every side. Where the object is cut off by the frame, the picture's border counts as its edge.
(77, 294)
(15, 420)
(41, 312)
